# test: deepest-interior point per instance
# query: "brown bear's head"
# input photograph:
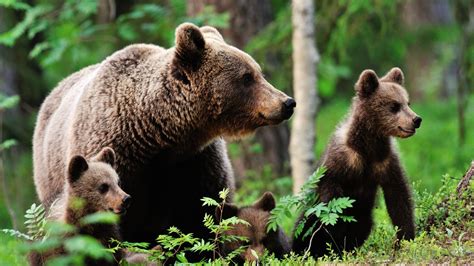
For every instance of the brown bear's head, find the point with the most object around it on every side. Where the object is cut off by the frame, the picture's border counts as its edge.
(256, 231)
(385, 102)
(96, 182)
(238, 99)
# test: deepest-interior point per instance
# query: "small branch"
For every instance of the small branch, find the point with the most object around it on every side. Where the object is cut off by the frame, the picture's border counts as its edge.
(464, 183)
(306, 253)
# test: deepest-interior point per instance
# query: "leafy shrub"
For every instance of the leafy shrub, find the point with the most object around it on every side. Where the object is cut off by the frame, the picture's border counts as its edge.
(308, 201)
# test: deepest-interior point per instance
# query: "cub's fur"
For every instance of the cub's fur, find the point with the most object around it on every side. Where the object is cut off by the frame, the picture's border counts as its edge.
(259, 239)
(94, 184)
(361, 157)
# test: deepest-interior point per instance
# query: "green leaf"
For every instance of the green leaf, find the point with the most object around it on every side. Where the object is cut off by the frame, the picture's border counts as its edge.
(100, 218)
(38, 49)
(182, 257)
(45, 245)
(224, 193)
(17, 234)
(9, 38)
(9, 102)
(254, 254)
(209, 202)
(7, 144)
(88, 246)
(13, 4)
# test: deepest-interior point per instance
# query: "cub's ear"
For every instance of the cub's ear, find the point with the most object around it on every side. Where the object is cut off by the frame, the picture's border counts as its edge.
(394, 75)
(229, 210)
(367, 84)
(266, 202)
(212, 33)
(106, 155)
(189, 47)
(77, 166)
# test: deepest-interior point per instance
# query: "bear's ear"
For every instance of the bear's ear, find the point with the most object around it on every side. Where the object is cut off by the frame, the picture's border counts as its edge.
(77, 166)
(266, 202)
(106, 155)
(229, 210)
(211, 33)
(367, 84)
(394, 75)
(189, 47)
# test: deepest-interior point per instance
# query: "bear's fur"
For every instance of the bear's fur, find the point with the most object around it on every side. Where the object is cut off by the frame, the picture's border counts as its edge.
(361, 157)
(164, 112)
(94, 186)
(257, 216)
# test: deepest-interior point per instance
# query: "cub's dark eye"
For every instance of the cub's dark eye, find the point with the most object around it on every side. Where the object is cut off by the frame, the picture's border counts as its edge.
(247, 79)
(103, 188)
(395, 107)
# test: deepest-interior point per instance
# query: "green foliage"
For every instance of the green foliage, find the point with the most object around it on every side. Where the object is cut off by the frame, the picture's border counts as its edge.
(70, 38)
(45, 236)
(100, 218)
(308, 201)
(35, 224)
(7, 102)
(35, 221)
(177, 245)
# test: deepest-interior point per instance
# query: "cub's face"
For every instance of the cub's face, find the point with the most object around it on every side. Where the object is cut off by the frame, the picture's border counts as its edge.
(238, 97)
(257, 216)
(97, 183)
(387, 103)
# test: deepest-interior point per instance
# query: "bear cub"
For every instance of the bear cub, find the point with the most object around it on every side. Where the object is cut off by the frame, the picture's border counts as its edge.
(93, 184)
(361, 157)
(257, 216)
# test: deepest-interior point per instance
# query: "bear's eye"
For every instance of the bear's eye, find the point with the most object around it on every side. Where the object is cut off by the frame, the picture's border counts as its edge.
(103, 188)
(395, 107)
(247, 79)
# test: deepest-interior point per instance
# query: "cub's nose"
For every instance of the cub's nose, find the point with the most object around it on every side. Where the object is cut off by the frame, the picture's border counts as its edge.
(289, 106)
(126, 201)
(417, 121)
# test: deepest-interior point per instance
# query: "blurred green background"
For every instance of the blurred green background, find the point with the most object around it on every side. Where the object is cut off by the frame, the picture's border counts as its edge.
(43, 41)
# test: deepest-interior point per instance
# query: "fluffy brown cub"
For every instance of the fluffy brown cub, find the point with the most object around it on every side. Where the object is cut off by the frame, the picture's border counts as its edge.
(259, 239)
(361, 157)
(96, 184)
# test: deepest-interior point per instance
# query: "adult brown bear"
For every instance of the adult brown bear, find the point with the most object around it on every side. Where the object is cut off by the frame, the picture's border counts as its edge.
(164, 112)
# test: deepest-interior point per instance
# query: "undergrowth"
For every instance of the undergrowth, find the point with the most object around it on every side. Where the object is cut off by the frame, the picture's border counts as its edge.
(445, 233)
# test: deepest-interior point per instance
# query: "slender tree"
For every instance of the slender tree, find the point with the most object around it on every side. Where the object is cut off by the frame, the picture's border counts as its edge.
(305, 59)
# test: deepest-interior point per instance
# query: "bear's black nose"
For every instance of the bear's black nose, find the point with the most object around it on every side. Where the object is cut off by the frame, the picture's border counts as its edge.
(126, 201)
(288, 107)
(417, 121)
(290, 103)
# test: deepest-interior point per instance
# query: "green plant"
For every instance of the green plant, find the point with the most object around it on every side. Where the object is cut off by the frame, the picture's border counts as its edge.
(46, 236)
(308, 201)
(177, 245)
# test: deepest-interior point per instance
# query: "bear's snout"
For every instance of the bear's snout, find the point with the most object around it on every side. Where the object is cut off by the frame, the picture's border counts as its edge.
(126, 201)
(288, 108)
(417, 121)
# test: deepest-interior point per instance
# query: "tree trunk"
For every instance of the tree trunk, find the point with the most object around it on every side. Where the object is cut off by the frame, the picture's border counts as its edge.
(305, 58)
(463, 14)
(465, 180)
(106, 11)
(247, 18)
(421, 59)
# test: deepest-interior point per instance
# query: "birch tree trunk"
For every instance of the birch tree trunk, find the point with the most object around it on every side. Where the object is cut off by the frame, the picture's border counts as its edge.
(305, 58)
